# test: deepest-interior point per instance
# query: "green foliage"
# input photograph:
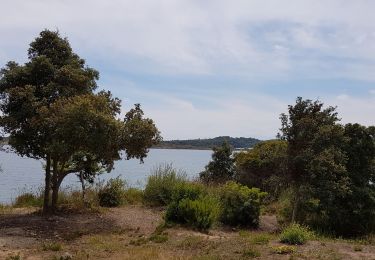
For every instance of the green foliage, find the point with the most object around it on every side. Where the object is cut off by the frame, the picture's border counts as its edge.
(251, 252)
(28, 200)
(316, 162)
(159, 238)
(260, 239)
(50, 111)
(191, 205)
(263, 167)
(295, 234)
(182, 191)
(133, 196)
(240, 205)
(112, 194)
(200, 213)
(354, 214)
(221, 168)
(161, 184)
(331, 170)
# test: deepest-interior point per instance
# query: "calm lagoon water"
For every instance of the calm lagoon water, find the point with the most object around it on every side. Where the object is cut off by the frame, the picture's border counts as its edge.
(21, 174)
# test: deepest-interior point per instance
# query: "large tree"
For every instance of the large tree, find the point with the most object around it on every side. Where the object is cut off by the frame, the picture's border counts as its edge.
(315, 159)
(50, 111)
(355, 213)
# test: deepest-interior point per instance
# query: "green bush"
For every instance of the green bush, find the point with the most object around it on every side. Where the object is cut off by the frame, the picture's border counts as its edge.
(200, 213)
(190, 205)
(133, 196)
(160, 185)
(240, 205)
(295, 234)
(181, 191)
(112, 194)
(28, 200)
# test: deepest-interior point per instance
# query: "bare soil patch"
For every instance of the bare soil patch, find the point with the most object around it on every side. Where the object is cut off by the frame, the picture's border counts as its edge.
(129, 233)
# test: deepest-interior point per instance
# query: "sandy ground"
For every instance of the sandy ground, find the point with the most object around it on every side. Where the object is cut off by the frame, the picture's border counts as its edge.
(122, 233)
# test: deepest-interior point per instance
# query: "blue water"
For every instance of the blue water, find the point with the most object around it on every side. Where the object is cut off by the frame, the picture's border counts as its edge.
(25, 174)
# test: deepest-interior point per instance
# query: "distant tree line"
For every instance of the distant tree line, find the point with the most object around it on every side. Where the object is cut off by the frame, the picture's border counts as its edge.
(210, 143)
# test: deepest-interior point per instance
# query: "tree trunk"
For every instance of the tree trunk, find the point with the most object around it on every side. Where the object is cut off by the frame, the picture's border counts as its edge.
(295, 204)
(55, 186)
(82, 180)
(47, 188)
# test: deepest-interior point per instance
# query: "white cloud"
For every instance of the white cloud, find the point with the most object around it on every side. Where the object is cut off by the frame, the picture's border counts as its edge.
(205, 37)
(355, 110)
(233, 117)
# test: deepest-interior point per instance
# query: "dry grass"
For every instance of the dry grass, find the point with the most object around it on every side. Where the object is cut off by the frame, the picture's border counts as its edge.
(134, 233)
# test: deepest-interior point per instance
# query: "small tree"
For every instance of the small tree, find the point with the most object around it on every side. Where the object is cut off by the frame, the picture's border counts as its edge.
(264, 166)
(221, 168)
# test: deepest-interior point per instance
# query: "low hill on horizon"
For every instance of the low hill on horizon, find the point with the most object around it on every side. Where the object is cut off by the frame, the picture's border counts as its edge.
(209, 143)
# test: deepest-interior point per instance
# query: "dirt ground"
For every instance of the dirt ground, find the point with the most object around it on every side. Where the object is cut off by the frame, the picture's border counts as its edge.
(132, 232)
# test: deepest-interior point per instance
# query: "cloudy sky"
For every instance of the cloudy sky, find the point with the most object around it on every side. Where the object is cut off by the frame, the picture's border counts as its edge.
(203, 68)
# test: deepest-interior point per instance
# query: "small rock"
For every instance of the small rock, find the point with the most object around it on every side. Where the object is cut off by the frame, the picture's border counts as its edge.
(66, 256)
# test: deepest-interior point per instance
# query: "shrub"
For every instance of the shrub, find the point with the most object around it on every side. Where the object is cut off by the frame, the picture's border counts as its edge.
(181, 191)
(200, 213)
(295, 234)
(192, 206)
(112, 194)
(28, 200)
(133, 196)
(240, 205)
(160, 185)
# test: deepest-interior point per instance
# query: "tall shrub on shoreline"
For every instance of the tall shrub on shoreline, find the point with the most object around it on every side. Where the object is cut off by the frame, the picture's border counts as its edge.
(161, 184)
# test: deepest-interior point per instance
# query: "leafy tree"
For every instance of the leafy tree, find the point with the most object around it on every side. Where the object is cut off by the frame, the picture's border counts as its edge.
(50, 111)
(264, 166)
(356, 214)
(221, 168)
(316, 162)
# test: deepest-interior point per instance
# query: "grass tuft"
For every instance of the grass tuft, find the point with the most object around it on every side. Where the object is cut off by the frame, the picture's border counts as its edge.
(53, 246)
(295, 234)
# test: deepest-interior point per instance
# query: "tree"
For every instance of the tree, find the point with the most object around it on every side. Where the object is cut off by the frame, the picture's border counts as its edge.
(316, 161)
(50, 111)
(356, 214)
(221, 168)
(263, 166)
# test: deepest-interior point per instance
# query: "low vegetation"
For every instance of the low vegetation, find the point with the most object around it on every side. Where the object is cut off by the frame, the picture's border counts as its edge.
(295, 234)
(113, 193)
(240, 205)
(161, 184)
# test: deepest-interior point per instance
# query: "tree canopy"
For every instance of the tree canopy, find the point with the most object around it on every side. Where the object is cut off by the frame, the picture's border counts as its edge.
(263, 166)
(221, 168)
(50, 111)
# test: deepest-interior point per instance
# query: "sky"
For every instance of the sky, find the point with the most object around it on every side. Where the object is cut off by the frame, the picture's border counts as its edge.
(206, 68)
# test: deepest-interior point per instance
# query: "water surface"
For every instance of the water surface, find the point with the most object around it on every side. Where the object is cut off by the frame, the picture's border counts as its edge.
(27, 174)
